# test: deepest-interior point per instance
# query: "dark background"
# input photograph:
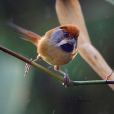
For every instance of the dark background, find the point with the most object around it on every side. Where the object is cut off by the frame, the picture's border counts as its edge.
(39, 93)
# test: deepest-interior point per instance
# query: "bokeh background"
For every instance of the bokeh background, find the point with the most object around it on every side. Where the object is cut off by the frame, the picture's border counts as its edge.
(38, 93)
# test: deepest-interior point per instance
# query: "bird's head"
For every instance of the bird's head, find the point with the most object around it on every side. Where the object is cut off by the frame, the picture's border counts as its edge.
(65, 37)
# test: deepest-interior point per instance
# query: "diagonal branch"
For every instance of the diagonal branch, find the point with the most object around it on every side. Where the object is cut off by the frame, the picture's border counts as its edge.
(59, 78)
(32, 63)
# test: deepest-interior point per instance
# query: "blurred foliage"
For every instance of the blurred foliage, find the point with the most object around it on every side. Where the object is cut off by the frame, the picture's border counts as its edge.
(39, 93)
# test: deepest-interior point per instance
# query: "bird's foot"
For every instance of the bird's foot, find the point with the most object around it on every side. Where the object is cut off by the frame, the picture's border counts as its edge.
(66, 80)
(27, 68)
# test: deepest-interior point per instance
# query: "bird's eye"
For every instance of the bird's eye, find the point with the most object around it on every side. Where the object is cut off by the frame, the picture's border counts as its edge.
(66, 34)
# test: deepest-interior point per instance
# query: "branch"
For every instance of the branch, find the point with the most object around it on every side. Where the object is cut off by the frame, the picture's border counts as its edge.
(59, 78)
(93, 82)
(32, 63)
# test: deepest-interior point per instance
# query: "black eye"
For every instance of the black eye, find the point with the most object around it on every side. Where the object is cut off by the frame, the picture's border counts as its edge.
(66, 34)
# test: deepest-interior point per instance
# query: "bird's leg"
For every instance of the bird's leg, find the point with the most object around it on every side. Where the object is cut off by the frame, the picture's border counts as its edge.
(108, 76)
(27, 66)
(66, 76)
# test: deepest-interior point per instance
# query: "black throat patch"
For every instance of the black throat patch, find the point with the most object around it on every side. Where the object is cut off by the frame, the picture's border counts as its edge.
(67, 47)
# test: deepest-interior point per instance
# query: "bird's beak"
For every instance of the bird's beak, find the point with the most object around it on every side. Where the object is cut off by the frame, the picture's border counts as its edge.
(72, 41)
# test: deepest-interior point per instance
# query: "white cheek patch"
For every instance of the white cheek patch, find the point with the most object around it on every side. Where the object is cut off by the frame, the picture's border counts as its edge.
(61, 43)
(57, 36)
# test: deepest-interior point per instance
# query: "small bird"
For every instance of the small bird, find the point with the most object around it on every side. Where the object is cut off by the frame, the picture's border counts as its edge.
(57, 47)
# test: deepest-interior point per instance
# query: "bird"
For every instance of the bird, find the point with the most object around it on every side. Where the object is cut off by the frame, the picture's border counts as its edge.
(57, 47)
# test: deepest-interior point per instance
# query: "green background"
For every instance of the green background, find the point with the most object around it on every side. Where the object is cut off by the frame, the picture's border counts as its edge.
(39, 93)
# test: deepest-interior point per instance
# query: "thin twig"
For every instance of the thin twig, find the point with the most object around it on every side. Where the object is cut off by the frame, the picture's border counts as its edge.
(73, 83)
(93, 82)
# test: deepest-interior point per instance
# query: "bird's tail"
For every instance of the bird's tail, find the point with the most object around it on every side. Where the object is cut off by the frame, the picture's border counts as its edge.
(26, 34)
